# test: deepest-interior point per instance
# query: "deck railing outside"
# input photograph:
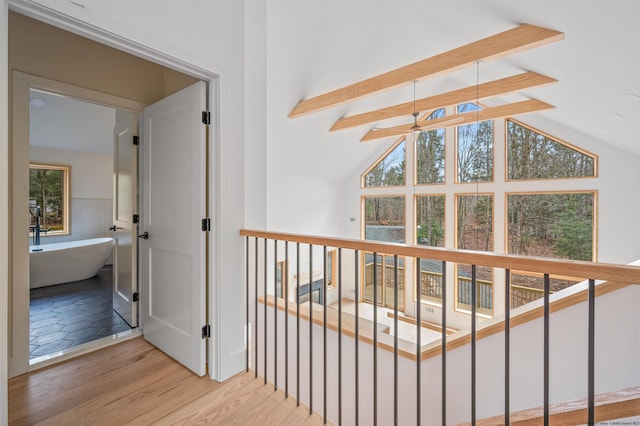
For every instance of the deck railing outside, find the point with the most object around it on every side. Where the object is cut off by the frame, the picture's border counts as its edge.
(269, 331)
(483, 290)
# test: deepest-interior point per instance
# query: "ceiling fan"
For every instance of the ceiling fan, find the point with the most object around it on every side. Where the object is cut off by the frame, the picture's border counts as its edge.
(418, 125)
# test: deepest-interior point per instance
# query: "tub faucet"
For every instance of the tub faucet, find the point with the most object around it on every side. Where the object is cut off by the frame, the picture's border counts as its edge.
(36, 228)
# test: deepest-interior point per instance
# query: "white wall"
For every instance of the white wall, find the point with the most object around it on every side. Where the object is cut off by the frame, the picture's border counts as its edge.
(616, 365)
(91, 191)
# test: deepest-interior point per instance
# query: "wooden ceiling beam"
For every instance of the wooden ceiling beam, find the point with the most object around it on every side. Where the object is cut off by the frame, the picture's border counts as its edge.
(491, 89)
(512, 41)
(491, 113)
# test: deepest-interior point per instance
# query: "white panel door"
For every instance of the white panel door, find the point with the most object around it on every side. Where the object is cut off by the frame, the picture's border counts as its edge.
(172, 256)
(125, 193)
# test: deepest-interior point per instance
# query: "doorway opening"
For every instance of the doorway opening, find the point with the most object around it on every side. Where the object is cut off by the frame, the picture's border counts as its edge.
(71, 193)
(148, 83)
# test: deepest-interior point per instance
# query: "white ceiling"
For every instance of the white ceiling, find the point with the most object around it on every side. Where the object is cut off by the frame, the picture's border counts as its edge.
(69, 124)
(316, 47)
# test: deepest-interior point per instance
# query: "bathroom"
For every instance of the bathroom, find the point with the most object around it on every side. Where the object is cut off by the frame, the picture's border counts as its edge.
(71, 290)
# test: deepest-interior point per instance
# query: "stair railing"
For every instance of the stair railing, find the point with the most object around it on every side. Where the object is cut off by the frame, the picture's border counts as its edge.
(262, 292)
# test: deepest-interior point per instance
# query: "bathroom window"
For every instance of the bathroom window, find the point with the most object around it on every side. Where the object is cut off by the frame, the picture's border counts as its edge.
(49, 199)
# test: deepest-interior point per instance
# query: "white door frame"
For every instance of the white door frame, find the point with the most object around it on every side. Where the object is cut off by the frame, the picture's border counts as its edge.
(22, 83)
(85, 30)
(4, 210)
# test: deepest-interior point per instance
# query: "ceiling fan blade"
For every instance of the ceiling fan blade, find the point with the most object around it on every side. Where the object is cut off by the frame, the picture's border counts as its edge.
(404, 129)
(491, 113)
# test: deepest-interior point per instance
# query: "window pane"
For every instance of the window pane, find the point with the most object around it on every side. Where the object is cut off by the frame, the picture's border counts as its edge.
(368, 278)
(484, 289)
(475, 232)
(384, 280)
(554, 225)
(48, 198)
(475, 222)
(431, 281)
(389, 171)
(532, 155)
(430, 153)
(384, 219)
(430, 220)
(474, 148)
(527, 288)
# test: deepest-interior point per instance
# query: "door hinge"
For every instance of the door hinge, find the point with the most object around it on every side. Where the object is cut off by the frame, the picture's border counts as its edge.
(136, 297)
(206, 224)
(136, 140)
(206, 117)
(206, 331)
(136, 218)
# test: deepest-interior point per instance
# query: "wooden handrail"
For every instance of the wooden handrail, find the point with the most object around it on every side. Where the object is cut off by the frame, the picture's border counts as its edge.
(611, 405)
(593, 270)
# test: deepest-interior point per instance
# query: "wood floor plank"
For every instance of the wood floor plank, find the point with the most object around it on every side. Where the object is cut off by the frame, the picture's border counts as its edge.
(135, 383)
(220, 407)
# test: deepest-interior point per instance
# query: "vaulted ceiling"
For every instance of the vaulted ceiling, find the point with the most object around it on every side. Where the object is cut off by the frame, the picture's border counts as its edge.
(319, 47)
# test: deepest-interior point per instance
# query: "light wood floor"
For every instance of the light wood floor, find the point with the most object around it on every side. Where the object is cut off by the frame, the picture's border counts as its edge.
(135, 383)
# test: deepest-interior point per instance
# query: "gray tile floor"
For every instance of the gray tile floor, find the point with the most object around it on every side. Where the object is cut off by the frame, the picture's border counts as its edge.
(66, 315)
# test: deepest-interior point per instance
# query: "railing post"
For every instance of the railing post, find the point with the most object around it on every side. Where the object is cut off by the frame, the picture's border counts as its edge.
(255, 361)
(418, 341)
(546, 349)
(340, 336)
(284, 283)
(474, 309)
(266, 341)
(375, 339)
(357, 337)
(395, 339)
(591, 353)
(246, 308)
(310, 329)
(297, 324)
(507, 345)
(275, 315)
(444, 343)
(324, 334)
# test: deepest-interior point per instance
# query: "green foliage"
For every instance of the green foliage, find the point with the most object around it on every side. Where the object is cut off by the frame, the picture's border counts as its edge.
(430, 148)
(474, 149)
(558, 225)
(475, 222)
(46, 187)
(390, 171)
(531, 155)
(574, 229)
(430, 220)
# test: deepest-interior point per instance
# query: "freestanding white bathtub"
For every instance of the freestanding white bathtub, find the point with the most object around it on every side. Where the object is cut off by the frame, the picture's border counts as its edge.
(59, 263)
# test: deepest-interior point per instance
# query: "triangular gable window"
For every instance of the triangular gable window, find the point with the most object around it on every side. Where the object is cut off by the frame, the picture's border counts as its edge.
(533, 155)
(389, 170)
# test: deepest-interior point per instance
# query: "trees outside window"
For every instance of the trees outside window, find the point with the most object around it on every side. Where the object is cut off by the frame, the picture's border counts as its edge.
(474, 148)
(559, 225)
(474, 226)
(49, 190)
(384, 218)
(533, 155)
(551, 224)
(430, 149)
(430, 220)
(389, 170)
